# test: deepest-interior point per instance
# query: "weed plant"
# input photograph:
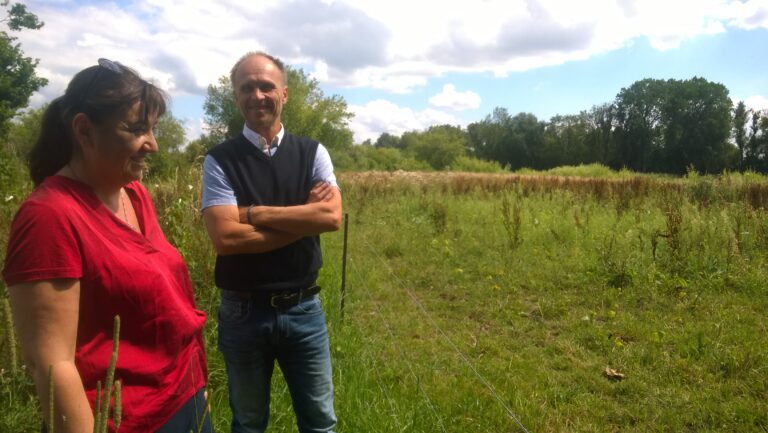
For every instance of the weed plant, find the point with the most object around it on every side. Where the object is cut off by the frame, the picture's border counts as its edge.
(474, 299)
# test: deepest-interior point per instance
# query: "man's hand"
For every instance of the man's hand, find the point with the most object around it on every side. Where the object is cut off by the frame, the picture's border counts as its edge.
(322, 191)
(321, 213)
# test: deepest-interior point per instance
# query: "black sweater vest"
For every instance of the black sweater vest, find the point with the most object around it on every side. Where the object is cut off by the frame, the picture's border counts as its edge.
(284, 179)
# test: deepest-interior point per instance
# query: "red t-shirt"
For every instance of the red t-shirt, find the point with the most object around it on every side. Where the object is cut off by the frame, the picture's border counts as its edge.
(64, 231)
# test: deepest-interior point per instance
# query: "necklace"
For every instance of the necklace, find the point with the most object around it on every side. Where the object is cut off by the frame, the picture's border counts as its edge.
(125, 212)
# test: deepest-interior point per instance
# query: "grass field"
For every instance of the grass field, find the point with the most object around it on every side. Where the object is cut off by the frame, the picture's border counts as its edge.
(495, 303)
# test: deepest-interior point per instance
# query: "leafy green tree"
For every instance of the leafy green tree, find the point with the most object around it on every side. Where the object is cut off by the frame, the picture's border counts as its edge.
(639, 116)
(221, 114)
(599, 140)
(197, 148)
(564, 141)
(170, 136)
(513, 142)
(757, 142)
(308, 112)
(697, 126)
(388, 140)
(740, 115)
(18, 80)
(23, 131)
(486, 138)
(439, 146)
(169, 133)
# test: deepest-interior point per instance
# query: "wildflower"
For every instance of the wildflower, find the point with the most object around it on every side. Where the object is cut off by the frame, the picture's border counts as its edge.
(8, 198)
(189, 187)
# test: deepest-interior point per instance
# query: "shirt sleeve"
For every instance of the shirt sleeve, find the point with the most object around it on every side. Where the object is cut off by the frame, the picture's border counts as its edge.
(217, 190)
(43, 245)
(323, 169)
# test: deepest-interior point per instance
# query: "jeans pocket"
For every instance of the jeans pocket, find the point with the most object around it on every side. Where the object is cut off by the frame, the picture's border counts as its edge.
(313, 306)
(233, 311)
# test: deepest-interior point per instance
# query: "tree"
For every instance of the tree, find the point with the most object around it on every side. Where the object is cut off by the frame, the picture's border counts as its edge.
(740, 115)
(564, 141)
(486, 138)
(170, 136)
(600, 131)
(308, 112)
(639, 118)
(439, 146)
(388, 140)
(696, 125)
(221, 114)
(18, 80)
(23, 132)
(169, 133)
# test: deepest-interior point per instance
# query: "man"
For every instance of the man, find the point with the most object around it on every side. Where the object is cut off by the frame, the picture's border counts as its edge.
(267, 195)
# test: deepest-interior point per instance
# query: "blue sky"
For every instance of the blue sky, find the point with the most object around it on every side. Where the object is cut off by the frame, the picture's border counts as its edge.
(403, 65)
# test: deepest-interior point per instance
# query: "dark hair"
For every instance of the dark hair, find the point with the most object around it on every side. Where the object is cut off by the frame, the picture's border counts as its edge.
(279, 63)
(100, 93)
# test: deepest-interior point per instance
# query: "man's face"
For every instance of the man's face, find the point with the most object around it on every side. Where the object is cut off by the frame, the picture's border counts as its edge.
(260, 93)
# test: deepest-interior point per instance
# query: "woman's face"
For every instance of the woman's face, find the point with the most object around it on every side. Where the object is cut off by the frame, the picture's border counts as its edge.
(121, 145)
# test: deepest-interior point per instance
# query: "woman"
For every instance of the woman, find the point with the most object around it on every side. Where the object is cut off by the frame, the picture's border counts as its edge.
(86, 246)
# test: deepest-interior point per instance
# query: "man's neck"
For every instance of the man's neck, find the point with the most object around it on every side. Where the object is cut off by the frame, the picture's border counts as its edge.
(269, 133)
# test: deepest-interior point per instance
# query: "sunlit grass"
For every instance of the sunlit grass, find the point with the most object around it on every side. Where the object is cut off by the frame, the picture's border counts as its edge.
(473, 298)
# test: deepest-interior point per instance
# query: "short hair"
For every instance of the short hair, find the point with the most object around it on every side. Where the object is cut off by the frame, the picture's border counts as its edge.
(279, 63)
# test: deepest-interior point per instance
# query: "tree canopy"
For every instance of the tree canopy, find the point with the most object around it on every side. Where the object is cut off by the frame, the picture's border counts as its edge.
(18, 80)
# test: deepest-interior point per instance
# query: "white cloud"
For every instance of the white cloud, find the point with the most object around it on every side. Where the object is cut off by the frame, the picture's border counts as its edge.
(757, 102)
(185, 45)
(378, 116)
(458, 101)
(748, 15)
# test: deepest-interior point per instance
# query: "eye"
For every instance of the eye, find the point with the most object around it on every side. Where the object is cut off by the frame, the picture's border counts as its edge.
(267, 87)
(139, 129)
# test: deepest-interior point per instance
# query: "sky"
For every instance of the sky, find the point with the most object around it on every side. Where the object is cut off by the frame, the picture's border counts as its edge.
(404, 65)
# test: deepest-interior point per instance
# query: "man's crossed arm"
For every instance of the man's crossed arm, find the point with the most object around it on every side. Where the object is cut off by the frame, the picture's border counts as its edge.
(273, 227)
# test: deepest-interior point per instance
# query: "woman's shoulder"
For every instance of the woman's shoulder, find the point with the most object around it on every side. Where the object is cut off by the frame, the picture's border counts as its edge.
(56, 199)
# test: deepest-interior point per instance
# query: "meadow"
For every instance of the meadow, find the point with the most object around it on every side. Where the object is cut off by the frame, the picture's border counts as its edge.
(578, 300)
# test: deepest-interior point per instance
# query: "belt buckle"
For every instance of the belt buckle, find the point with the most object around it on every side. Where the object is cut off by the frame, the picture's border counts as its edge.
(275, 300)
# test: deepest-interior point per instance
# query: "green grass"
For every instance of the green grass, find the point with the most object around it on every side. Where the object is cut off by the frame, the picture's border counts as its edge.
(473, 296)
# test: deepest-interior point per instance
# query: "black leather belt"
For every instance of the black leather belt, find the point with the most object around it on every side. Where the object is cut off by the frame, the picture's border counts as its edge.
(282, 299)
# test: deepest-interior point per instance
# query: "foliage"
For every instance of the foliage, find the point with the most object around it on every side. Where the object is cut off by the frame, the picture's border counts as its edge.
(439, 146)
(365, 157)
(222, 118)
(308, 112)
(23, 132)
(17, 72)
(474, 165)
(582, 170)
(170, 136)
(389, 140)
(512, 141)
(668, 292)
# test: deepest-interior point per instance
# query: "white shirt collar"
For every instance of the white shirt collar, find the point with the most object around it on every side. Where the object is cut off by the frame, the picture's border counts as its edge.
(256, 139)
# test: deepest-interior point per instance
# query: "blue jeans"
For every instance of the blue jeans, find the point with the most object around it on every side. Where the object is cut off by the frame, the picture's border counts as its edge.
(252, 337)
(187, 418)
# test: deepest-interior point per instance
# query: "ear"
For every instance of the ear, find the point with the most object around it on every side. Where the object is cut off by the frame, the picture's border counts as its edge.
(285, 94)
(82, 129)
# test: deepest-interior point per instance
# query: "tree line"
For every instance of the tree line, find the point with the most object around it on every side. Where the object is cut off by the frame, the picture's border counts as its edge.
(662, 126)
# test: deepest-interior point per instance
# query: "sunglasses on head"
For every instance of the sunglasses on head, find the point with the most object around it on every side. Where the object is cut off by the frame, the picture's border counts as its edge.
(116, 68)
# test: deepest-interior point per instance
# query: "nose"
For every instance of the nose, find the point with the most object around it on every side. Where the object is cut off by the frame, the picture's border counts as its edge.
(150, 143)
